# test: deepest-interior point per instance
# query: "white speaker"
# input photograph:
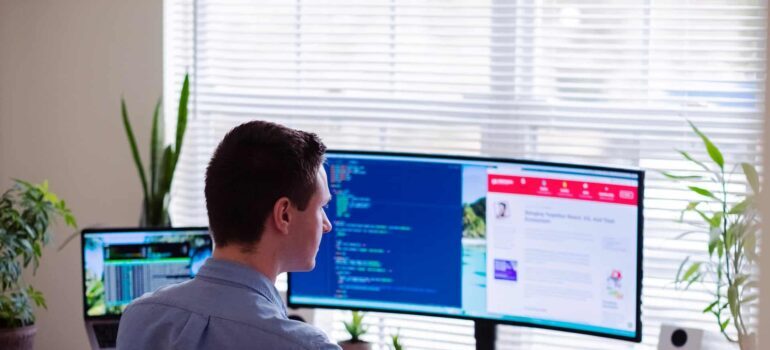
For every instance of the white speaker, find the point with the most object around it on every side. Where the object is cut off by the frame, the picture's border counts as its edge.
(679, 338)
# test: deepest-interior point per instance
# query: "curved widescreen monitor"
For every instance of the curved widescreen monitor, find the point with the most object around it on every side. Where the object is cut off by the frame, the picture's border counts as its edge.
(547, 245)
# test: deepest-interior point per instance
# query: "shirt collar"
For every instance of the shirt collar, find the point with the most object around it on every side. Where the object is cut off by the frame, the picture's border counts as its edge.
(235, 273)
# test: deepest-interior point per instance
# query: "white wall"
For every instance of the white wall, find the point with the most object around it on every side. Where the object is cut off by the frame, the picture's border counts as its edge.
(63, 68)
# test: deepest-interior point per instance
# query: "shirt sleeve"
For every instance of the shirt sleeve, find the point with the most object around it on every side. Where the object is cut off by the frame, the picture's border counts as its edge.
(322, 342)
(328, 345)
(129, 336)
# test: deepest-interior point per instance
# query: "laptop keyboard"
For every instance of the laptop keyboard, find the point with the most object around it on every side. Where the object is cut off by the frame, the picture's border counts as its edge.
(106, 334)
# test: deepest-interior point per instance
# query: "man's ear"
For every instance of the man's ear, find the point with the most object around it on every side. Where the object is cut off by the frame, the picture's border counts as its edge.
(282, 214)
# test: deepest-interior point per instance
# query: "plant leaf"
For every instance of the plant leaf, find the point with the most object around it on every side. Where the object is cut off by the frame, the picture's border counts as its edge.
(692, 280)
(37, 297)
(703, 216)
(716, 220)
(751, 176)
(703, 192)
(68, 240)
(710, 307)
(690, 207)
(156, 144)
(751, 284)
(732, 299)
(690, 158)
(166, 171)
(742, 206)
(155, 206)
(724, 324)
(712, 149)
(740, 279)
(749, 298)
(181, 122)
(685, 234)
(730, 236)
(132, 143)
(691, 271)
(750, 246)
(680, 177)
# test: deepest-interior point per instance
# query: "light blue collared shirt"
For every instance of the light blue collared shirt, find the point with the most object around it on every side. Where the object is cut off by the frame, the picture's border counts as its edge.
(226, 306)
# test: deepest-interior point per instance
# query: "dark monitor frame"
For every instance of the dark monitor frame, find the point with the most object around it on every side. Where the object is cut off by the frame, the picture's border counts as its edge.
(108, 230)
(640, 226)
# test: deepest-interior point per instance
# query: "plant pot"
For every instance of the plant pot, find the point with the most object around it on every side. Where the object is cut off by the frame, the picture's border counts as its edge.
(21, 338)
(157, 217)
(748, 341)
(360, 345)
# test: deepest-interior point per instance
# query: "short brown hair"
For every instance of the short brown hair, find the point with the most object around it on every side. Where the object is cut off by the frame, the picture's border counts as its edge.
(256, 164)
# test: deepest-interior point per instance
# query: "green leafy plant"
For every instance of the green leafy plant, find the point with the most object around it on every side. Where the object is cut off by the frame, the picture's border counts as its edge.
(396, 341)
(732, 246)
(26, 213)
(163, 161)
(356, 327)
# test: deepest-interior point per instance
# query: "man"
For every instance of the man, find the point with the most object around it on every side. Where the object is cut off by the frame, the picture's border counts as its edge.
(266, 190)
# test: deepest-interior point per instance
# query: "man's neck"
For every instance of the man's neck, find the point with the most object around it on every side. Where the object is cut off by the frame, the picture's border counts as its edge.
(261, 261)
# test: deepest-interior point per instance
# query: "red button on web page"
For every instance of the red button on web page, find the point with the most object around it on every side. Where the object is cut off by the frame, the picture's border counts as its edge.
(626, 194)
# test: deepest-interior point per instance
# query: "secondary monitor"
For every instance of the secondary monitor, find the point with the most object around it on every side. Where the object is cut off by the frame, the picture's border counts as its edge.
(556, 246)
(119, 265)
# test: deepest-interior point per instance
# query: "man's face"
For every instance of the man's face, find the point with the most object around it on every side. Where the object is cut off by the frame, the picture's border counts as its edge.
(309, 225)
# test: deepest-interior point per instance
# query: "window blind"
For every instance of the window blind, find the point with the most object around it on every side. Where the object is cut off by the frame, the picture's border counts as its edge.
(597, 82)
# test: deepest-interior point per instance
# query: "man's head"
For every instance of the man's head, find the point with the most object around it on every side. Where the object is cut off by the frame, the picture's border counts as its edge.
(267, 177)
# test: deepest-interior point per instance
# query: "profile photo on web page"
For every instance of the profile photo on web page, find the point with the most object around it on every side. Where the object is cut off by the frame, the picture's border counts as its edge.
(502, 210)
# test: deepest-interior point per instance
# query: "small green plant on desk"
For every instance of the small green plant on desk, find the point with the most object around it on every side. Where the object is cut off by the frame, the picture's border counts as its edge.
(396, 340)
(356, 329)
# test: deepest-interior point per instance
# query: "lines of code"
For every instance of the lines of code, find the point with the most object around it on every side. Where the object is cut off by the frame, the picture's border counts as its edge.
(397, 229)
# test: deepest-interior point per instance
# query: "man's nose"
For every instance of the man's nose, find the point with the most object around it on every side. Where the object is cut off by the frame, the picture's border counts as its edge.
(327, 225)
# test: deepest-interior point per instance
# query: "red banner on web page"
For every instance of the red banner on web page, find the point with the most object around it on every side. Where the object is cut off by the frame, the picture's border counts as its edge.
(568, 189)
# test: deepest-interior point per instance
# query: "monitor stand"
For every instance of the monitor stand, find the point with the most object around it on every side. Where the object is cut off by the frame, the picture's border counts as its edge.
(486, 334)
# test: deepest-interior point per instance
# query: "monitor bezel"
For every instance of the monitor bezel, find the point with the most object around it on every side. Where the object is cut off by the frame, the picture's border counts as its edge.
(637, 338)
(117, 230)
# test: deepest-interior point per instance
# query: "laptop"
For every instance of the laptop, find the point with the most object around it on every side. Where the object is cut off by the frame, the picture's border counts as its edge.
(120, 265)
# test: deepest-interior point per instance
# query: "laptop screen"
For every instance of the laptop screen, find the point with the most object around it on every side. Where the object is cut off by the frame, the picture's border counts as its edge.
(120, 265)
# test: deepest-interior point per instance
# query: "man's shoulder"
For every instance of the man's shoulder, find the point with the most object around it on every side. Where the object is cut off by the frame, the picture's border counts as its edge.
(237, 315)
(169, 296)
(165, 292)
(166, 321)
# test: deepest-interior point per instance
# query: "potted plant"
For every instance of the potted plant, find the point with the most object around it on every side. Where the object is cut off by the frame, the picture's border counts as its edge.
(26, 213)
(732, 229)
(163, 161)
(356, 329)
(396, 341)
